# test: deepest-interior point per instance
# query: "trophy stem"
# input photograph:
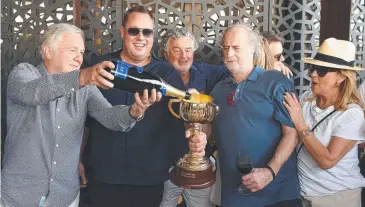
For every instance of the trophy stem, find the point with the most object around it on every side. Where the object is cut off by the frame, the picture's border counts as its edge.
(195, 132)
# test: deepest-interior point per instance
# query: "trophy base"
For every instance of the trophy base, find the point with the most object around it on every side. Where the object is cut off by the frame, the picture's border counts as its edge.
(192, 179)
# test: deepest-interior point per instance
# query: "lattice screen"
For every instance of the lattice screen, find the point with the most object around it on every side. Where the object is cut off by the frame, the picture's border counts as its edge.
(357, 33)
(296, 20)
(298, 23)
(206, 20)
(22, 22)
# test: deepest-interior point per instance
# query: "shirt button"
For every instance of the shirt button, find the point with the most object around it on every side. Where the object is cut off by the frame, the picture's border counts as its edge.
(72, 89)
(238, 90)
(58, 110)
(54, 162)
(58, 127)
(56, 145)
(51, 179)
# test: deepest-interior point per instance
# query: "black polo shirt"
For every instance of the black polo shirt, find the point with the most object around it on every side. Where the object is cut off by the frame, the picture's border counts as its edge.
(143, 155)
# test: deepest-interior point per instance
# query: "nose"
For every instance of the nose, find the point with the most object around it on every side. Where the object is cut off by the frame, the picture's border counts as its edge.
(313, 74)
(230, 52)
(184, 54)
(79, 58)
(281, 58)
(140, 35)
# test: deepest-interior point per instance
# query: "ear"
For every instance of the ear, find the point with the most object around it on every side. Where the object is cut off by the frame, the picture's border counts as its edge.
(340, 79)
(47, 51)
(121, 32)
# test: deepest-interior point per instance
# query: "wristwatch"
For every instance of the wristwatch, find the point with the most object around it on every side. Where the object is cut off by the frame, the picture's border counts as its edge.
(139, 118)
(304, 134)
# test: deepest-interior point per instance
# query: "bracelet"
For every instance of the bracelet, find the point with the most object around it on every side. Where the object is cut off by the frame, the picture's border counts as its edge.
(304, 134)
(272, 171)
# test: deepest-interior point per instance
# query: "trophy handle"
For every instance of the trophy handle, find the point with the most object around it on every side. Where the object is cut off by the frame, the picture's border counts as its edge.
(171, 109)
(216, 108)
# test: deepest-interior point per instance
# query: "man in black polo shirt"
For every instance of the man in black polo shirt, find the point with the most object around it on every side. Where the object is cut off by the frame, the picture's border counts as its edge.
(129, 169)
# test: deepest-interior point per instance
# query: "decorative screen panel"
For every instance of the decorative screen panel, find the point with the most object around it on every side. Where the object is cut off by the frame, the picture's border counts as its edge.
(298, 22)
(357, 33)
(22, 23)
(206, 20)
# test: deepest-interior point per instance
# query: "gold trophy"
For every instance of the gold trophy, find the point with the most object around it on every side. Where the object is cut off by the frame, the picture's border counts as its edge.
(192, 171)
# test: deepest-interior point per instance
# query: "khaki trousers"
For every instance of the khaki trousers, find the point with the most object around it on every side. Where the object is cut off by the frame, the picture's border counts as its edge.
(347, 198)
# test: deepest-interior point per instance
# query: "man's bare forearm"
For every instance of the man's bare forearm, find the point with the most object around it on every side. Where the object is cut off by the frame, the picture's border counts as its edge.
(284, 149)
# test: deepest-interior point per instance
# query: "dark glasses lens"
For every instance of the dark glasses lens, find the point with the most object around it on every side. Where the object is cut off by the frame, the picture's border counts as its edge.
(135, 31)
(321, 70)
(278, 56)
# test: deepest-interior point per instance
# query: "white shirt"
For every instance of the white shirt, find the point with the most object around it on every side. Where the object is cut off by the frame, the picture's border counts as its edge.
(348, 124)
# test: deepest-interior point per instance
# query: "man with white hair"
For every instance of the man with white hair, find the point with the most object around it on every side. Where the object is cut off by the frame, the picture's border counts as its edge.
(47, 106)
(253, 119)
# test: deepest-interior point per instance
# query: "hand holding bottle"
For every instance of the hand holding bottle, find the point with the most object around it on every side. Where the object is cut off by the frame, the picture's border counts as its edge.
(143, 101)
(96, 75)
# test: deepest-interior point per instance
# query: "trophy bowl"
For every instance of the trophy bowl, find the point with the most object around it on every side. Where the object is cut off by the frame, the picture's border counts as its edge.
(192, 171)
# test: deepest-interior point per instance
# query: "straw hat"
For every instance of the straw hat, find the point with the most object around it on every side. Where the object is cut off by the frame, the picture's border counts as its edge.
(334, 53)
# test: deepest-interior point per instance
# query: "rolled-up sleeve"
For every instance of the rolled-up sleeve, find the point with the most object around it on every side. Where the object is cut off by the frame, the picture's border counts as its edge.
(280, 112)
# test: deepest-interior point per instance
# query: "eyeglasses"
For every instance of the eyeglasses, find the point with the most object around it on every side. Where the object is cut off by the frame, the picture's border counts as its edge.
(321, 70)
(278, 56)
(134, 31)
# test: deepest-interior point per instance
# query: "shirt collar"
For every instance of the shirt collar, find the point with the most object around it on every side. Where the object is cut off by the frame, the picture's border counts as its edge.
(42, 69)
(254, 76)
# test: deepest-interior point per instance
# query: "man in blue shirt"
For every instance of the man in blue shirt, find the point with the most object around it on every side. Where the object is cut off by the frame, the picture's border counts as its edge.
(252, 117)
(129, 169)
(179, 46)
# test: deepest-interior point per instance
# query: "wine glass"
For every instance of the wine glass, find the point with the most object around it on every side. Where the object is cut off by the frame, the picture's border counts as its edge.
(244, 166)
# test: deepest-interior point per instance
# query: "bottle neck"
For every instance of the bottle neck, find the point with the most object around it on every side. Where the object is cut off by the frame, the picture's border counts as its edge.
(174, 92)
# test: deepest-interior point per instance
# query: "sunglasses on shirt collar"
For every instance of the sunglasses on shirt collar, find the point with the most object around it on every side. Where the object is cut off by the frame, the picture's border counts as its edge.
(321, 70)
(134, 31)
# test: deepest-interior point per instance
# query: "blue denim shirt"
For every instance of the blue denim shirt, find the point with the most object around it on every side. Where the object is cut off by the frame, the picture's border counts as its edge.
(254, 123)
(143, 155)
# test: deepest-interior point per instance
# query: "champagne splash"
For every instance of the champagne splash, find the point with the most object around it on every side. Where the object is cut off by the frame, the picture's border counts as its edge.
(200, 98)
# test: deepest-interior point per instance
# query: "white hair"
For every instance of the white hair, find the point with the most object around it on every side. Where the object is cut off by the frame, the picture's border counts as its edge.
(253, 37)
(53, 34)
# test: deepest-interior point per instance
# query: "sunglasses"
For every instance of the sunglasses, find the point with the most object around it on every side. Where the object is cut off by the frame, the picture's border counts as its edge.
(321, 70)
(278, 56)
(134, 31)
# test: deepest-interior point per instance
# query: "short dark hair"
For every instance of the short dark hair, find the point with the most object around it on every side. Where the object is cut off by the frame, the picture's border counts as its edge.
(272, 37)
(138, 9)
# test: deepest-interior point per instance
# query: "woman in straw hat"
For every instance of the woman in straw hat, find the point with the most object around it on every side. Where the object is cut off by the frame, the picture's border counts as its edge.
(330, 123)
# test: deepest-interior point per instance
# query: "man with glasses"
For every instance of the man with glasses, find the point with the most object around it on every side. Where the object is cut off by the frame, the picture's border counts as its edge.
(276, 48)
(129, 169)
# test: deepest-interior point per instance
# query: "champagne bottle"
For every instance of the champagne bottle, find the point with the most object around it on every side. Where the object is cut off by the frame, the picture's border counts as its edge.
(133, 79)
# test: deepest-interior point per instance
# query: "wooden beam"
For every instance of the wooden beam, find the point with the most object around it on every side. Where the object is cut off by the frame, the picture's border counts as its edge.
(335, 19)
(77, 12)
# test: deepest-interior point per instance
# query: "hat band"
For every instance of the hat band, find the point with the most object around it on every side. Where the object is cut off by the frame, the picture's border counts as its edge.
(334, 60)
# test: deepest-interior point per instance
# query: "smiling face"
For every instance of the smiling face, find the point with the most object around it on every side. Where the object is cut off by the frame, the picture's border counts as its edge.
(137, 48)
(180, 53)
(66, 54)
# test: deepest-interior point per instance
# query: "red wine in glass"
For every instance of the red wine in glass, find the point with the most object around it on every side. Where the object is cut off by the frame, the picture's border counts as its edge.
(244, 167)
